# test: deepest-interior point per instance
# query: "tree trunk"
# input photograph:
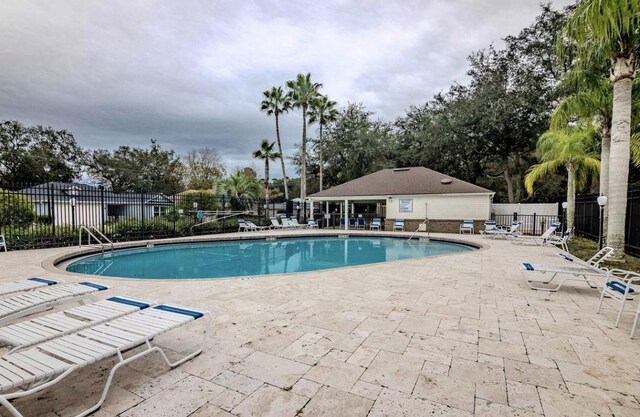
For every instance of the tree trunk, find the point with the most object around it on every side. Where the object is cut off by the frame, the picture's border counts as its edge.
(622, 77)
(284, 175)
(320, 153)
(571, 196)
(303, 155)
(604, 167)
(509, 180)
(266, 180)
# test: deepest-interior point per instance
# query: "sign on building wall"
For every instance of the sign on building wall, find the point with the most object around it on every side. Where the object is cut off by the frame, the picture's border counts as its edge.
(405, 205)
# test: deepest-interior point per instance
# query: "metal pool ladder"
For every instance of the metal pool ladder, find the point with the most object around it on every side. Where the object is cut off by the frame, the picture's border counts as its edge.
(100, 239)
(425, 223)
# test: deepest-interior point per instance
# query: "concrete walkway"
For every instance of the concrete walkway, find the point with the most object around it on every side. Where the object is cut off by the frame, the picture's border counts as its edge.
(456, 335)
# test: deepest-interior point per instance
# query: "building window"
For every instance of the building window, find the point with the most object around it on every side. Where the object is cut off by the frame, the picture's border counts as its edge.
(160, 211)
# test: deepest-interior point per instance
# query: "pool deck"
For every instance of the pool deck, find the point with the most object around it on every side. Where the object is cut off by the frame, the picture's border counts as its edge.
(453, 335)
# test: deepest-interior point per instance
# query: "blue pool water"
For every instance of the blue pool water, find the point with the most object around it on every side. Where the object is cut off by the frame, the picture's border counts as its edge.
(255, 257)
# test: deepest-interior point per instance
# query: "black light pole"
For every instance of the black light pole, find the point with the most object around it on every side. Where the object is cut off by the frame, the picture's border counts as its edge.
(602, 201)
(564, 216)
(72, 201)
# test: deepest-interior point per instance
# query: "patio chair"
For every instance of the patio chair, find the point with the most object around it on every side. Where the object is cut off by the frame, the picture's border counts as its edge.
(577, 271)
(29, 371)
(312, 224)
(352, 222)
(362, 224)
(40, 329)
(40, 300)
(635, 323)
(376, 224)
(398, 225)
(3, 242)
(600, 256)
(505, 233)
(254, 227)
(538, 240)
(295, 224)
(28, 284)
(467, 225)
(242, 226)
(490, 226)
(558, 241)
(619, 288)
(275, 223)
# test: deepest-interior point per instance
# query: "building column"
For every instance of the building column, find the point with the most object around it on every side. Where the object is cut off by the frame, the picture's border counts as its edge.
(346, 214)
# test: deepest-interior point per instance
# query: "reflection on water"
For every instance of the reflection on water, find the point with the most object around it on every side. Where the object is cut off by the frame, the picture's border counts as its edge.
(255, 257)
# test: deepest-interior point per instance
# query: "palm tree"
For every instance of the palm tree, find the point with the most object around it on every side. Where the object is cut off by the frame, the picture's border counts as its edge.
(275, 102)
(266, 152)
(607, 31)
(302, 93)
(322, 111)
(241, 190)
(575, 150)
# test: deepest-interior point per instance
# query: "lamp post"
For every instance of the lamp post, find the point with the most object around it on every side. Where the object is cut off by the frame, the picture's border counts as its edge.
(72, 202)
(564, 216)
(602, 202)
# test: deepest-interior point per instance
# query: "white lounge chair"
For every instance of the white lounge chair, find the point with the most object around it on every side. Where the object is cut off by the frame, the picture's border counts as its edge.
(398, 225)
(43, 328)
(558, 241)
(580, 271)
(35, 301)
(490, 226)
(275, 223)
(293, 222)
(467, 225)
(254, 227)
(376, 224)
(28, 284)
(538, 240)
(312, 224)
(243, 226)
(505, 233)
(3, 242)
(619, 288)
(32, 370)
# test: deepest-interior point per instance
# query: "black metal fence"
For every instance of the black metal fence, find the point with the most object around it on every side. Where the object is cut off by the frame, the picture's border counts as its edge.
(51, 214)
(588, 219)
(530, 224)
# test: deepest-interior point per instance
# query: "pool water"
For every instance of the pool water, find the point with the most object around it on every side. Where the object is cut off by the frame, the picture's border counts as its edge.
(255, 257)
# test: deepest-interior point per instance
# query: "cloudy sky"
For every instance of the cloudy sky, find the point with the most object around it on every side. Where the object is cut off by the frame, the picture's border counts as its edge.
(190, 73)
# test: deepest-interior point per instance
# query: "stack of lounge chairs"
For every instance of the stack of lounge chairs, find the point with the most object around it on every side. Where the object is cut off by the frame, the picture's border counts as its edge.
(44, 350)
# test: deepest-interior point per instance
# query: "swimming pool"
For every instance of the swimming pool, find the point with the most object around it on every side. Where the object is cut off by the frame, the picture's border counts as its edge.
(242, 258)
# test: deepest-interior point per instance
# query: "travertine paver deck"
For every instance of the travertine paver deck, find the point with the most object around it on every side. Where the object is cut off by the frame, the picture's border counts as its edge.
(458, 335)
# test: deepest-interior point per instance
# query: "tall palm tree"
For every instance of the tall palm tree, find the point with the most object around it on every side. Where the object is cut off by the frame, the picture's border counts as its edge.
(275, 102)
(604, 31)
(266, 152)
(322, 111)
(302, 93)
(575, 150)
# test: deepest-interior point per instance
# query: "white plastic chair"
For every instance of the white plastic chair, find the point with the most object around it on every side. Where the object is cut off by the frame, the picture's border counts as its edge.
(3, 243)
(398, 225)
(29, 371)
(376, 224)
(312, 224)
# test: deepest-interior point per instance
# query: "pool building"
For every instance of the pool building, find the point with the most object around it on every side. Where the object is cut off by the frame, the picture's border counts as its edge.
(413, 194)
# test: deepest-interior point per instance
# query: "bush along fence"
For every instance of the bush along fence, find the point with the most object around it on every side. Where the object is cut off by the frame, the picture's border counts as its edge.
(588, 218)
(50, 214)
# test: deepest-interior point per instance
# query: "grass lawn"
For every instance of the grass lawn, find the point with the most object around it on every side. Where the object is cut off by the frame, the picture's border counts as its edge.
(585, 248)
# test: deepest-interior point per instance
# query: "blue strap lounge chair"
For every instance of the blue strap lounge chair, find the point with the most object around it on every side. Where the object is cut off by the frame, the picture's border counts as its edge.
(376, 224)
(42, 299)
(398, 225)
(40, 329)
(362, 224)
(28, 284)
(29, 371)
(312, 224)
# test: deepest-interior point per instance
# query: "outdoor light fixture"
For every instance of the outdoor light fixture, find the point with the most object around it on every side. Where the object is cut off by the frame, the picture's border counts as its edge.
(564, 216)
(565, 205)
(602, 201)
(72, 202)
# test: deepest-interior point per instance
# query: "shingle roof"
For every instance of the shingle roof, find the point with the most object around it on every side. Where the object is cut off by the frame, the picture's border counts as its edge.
(402, 181)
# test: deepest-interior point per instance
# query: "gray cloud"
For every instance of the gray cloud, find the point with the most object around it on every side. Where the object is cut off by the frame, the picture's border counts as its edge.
(191, 73)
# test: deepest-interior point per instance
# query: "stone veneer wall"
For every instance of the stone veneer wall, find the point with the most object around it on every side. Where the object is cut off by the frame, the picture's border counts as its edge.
(435, 226)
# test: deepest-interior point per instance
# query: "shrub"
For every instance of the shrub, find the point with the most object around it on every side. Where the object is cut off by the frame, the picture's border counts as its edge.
(15, 209)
